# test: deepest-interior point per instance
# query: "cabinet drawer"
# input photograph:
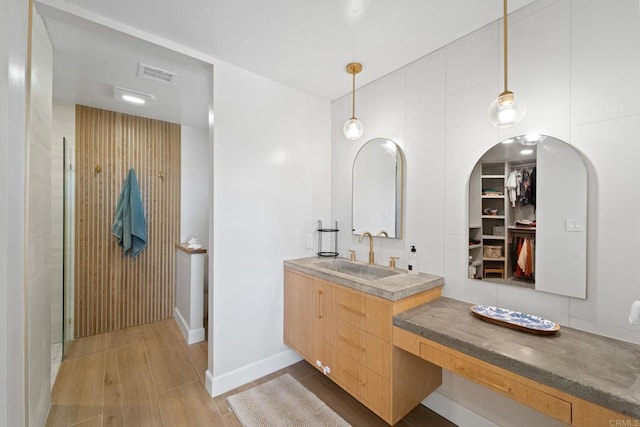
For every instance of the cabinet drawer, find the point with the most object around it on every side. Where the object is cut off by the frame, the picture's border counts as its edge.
(498, 381)
(364, 311)
(360, 381)
(367, 349)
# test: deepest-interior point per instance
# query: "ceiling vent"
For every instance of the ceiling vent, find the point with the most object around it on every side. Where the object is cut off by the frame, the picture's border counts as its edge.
(154, 73)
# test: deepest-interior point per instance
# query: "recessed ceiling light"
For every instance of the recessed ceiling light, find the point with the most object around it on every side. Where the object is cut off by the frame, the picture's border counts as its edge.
(527, 151)
(132, 96)
(133, 99)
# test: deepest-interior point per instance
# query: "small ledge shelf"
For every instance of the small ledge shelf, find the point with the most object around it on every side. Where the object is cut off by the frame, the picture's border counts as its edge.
(487, 237)
(474, 226)
(476, 246)
(486, 196)
(493, 176)
(501, 259)
(492, 216)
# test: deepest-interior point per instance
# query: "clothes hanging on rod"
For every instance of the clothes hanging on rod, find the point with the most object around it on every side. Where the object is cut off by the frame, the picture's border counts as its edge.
(521, 186)
(522, 256)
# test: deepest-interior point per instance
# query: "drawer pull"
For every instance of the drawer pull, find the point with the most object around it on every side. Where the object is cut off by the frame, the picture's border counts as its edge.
(318, 313)
(351, 343)
(503, 388)
(353, 377)
(461, 369)
(353, 310)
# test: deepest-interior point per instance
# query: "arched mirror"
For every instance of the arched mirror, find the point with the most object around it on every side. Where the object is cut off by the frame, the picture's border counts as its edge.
(378, 174)
(528, 216)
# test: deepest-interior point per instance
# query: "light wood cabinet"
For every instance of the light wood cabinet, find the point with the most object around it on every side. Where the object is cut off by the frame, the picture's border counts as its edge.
(557, 404)
(304, 315)
(347, 334)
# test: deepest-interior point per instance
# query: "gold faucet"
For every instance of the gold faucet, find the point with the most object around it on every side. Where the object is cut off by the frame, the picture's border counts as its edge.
(371, 256)
(392, 261)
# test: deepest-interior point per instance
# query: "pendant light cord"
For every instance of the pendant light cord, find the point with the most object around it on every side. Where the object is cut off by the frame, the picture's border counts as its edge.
(353, 95)
(506, 46)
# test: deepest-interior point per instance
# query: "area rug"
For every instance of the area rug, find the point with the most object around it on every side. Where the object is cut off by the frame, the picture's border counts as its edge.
(283, 401)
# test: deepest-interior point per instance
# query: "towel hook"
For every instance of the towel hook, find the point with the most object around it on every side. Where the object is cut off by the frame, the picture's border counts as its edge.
(98, 169)
(161, 174)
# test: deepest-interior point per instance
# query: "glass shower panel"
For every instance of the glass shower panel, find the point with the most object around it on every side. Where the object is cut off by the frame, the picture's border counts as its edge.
(68, 243)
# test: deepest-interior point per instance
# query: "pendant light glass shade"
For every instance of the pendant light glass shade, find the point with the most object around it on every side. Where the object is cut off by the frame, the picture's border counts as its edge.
(353, 128)
(507, 109)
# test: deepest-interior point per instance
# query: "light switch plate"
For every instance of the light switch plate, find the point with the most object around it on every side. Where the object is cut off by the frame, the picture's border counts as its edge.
(574, 225)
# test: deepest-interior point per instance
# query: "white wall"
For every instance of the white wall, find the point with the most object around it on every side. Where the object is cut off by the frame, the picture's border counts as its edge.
(194, 184)
(14, 30)
(271, 184)
(195, 187)
(39, 225)
(577, 65)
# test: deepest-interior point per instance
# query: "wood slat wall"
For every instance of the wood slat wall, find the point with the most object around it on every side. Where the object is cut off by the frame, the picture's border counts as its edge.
(113, 291)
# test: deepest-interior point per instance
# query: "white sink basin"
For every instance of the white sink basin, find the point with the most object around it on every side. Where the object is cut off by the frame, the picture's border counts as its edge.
(361, 271)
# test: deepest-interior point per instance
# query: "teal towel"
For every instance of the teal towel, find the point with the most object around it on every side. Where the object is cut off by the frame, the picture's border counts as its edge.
(130, 226)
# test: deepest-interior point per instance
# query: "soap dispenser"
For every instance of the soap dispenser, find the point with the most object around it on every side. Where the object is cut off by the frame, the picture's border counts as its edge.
(412, 261)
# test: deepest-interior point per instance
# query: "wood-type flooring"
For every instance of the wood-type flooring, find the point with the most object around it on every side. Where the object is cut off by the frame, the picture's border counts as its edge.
(147, 376)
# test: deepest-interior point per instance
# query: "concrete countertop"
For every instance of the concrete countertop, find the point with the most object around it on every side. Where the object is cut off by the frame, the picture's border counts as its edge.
(392, 288)
(598, 369)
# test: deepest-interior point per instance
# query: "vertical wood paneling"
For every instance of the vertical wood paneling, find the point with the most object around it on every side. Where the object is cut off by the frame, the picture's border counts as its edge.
(113, 291)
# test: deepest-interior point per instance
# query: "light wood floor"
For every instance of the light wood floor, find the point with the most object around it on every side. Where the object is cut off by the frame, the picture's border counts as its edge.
(148, 376)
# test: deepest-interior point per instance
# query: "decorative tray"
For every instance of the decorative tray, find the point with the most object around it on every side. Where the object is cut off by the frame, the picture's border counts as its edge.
(515, 320)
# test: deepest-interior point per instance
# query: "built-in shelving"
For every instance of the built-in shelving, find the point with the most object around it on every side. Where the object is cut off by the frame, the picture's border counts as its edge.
(475, 251)
(493, 209)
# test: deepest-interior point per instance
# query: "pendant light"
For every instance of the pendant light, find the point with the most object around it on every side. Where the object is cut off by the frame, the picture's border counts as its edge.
(506, 110)
(353, 127)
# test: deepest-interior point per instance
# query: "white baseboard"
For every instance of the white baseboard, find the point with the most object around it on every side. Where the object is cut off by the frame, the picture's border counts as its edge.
(251, 372)
(208, 376)
(455, 412)
(192, 336)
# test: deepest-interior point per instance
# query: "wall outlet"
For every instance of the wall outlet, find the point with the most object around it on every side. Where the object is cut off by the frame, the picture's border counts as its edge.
(309, 241)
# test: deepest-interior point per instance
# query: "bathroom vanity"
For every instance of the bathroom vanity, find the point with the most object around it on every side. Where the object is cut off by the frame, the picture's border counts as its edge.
(339, 316)
(384, 336)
